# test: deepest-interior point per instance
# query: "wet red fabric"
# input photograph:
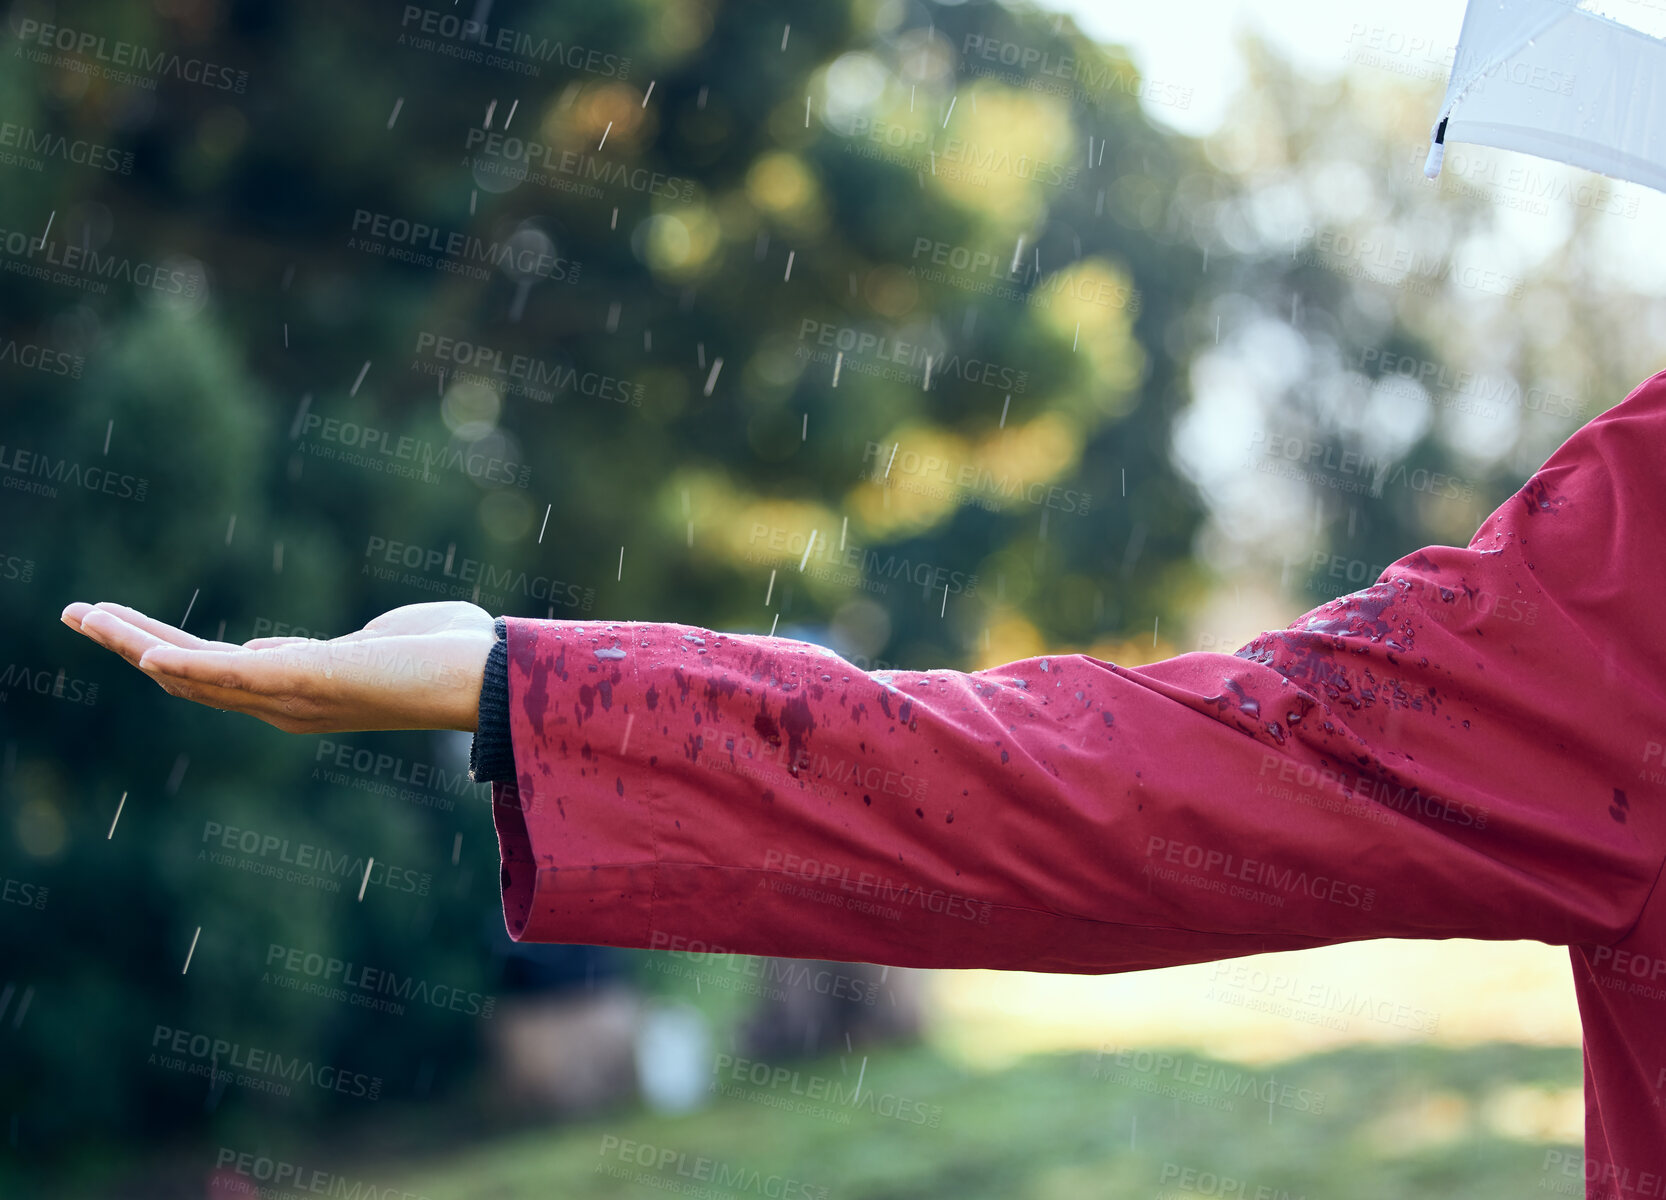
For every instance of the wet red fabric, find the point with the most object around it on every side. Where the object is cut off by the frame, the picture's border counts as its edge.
(1471, 747)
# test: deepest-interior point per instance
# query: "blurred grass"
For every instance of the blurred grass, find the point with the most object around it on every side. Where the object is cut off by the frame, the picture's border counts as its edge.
(1421, 1120)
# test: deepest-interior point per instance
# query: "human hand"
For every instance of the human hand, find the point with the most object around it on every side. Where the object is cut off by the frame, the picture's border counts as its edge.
(415, 667)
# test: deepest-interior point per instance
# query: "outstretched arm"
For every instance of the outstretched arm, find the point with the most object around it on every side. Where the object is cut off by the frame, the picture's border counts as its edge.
(1359, 775)
(683, 789)
(1444, 754)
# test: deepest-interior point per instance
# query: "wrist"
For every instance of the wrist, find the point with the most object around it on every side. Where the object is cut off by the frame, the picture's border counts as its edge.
(457, 701)
(492, 756)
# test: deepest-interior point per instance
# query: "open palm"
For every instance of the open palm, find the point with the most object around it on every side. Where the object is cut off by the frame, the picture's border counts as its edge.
(415, 667)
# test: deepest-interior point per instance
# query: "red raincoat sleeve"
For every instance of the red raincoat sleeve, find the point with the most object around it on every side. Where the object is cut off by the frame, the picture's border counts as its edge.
(1452, 752)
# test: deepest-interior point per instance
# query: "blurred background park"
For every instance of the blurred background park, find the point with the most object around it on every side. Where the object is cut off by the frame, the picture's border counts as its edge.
(938, 333)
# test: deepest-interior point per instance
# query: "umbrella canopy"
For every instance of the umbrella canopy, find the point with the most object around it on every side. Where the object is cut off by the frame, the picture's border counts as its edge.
(1580, 82)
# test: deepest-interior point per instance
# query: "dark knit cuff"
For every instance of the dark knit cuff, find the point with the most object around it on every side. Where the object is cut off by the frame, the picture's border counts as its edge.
(492, 757)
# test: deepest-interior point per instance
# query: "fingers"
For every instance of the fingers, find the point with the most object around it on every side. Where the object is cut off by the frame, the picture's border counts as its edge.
(265, 684)
(75, 615)
(152, 626)
(282, 689)
(257, 683)
(133, 643)
(222, 698)
(113, 633)
(263, 672)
